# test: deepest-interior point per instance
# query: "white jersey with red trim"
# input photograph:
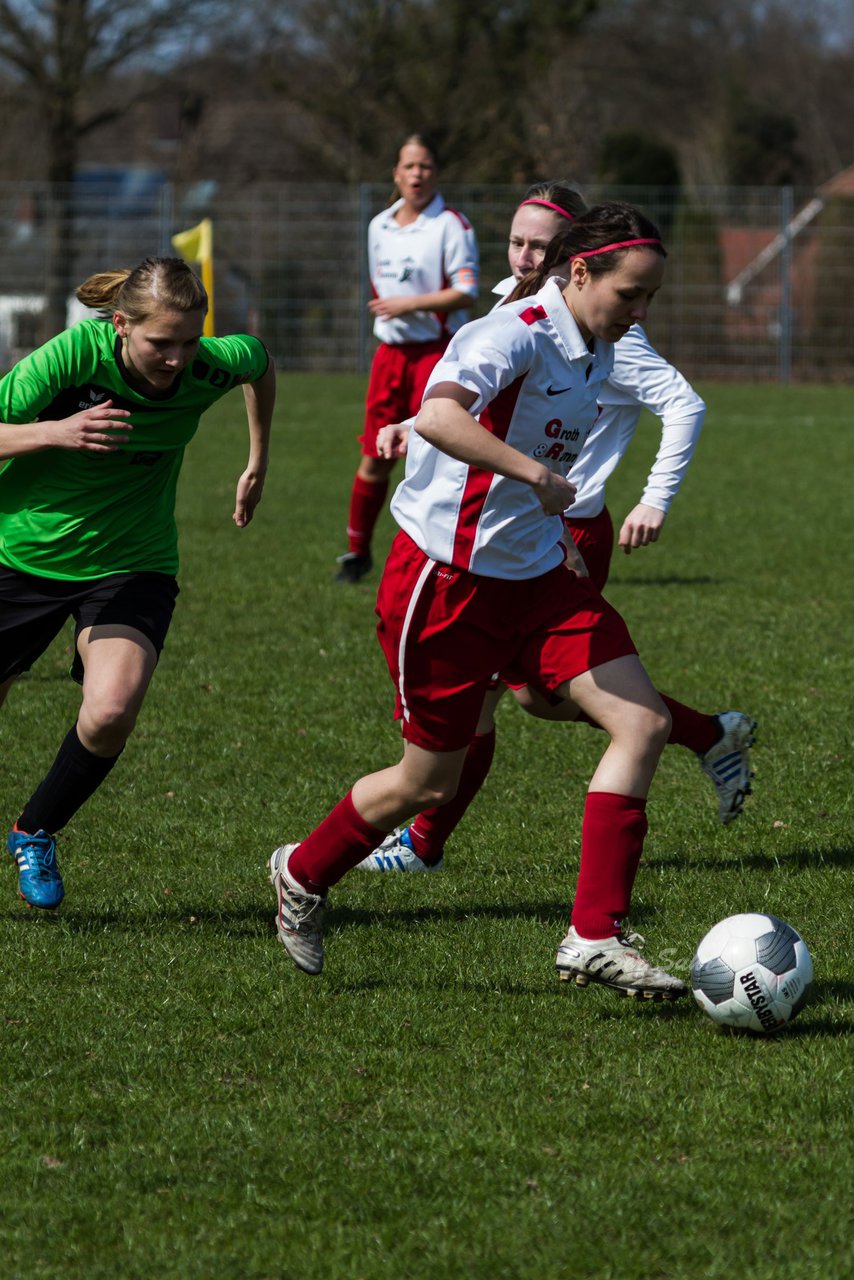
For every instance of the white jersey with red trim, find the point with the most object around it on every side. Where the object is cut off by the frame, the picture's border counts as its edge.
(641, 379)
(536, 384)
(436, 251)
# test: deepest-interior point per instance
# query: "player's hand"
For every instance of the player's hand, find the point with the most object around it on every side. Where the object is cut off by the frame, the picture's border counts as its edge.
(99, 429)
(641, 526)
(392, 441)
(390, 308)
(250, 487)
(554, 492)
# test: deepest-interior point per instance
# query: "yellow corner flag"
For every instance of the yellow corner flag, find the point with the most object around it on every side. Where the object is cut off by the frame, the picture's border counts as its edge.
(196, 245)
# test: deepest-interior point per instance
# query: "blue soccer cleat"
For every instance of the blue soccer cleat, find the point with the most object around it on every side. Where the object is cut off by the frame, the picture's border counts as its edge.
(39, 881)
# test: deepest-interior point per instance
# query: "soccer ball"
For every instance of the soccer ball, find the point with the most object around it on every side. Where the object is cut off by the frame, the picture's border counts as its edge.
(752, 971)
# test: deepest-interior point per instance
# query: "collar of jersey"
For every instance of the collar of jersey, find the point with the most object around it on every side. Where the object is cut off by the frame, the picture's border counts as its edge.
(552, 300)
(431, 210)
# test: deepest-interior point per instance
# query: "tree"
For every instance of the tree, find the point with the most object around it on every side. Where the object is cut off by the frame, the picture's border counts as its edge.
(361, 74)
(67, 55)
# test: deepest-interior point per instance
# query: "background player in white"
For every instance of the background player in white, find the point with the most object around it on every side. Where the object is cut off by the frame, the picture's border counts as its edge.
(641, 378)
(477, 580)
(423, 265)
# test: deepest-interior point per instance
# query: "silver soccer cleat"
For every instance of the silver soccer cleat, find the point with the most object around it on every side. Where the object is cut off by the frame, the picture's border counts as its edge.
(299, 918)
(727, 763)
(616, 963)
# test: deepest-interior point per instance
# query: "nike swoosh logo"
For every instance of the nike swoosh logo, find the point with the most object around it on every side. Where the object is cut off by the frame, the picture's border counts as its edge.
(557, 391)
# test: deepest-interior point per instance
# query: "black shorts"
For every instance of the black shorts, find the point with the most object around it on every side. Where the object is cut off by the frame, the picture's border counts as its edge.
(34, 610)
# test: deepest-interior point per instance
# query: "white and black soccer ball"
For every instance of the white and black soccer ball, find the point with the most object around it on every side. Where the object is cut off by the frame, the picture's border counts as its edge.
(752, 971)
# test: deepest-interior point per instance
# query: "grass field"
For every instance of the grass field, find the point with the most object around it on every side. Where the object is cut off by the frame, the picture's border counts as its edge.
(179, 1101)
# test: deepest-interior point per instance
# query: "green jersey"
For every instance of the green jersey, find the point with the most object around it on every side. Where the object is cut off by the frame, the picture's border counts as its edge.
(75, 515)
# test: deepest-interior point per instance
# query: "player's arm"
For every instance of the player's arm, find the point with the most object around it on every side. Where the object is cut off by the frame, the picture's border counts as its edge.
(443, 300)
(460, 268)
(648, 379)
(99, 429)
(446, 423)
(30, 388)
(260, 400)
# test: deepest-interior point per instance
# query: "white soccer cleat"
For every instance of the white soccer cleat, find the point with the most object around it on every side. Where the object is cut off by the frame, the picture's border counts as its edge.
(615, 963)
(299, 919)
(397, 854)
(727, 763)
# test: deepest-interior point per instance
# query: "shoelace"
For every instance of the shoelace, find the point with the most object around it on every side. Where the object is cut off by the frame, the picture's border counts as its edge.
(33, 856)
(633, 940)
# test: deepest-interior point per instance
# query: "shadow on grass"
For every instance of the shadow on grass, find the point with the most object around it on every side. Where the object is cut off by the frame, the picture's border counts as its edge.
(670, 580)
(552, 913)
(801, 858)
(253, 920)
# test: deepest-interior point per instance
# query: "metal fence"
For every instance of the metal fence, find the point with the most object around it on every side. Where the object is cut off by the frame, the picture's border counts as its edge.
(759, 283)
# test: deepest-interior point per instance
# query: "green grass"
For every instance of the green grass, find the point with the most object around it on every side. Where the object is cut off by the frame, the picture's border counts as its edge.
(179, 1101)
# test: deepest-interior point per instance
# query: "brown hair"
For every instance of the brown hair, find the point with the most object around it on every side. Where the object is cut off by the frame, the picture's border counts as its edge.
(157, 284)
(419, 140)
(557, 193)
(601, 227)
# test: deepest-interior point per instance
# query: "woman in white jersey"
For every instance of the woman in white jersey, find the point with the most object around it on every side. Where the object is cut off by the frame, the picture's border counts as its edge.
(640, 378)
(422, 259)
(477, 580)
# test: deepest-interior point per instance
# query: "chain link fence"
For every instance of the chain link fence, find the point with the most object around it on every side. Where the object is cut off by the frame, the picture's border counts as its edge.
(759, 283)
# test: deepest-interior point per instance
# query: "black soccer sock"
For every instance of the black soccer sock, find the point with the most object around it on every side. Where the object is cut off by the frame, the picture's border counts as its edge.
(72, 778)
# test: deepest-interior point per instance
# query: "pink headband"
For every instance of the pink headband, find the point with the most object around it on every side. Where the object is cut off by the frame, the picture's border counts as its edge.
(621, 244)
(547, 204)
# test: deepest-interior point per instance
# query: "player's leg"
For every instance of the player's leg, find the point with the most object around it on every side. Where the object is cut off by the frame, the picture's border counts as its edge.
(721, 741)
(420, 846)
(118, 665)
(386, 401)
(367, 500)
(620, 697)
(122, 623)
(440, 643)
(32, 613)
(302, 873)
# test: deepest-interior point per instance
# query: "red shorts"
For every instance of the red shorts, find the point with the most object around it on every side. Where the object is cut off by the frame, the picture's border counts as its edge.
(396, 386)
(594, 537)
(445, 632)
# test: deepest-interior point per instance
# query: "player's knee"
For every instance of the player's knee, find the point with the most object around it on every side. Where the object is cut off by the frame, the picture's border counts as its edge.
(435, 793)
(375, 470)
(107, 722)
(656, 726)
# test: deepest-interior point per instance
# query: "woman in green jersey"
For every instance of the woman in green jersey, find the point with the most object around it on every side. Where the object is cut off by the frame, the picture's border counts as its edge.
(93, 427)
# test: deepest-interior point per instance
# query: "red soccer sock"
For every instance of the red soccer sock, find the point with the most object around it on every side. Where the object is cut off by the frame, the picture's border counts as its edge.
(432, 827)
(612, 835)
(689, 728)
(342, 839)
(366, 502)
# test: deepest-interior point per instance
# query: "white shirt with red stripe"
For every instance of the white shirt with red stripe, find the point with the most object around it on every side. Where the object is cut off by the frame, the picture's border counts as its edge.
(536, 384)
(436, 251)
(642, 379)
